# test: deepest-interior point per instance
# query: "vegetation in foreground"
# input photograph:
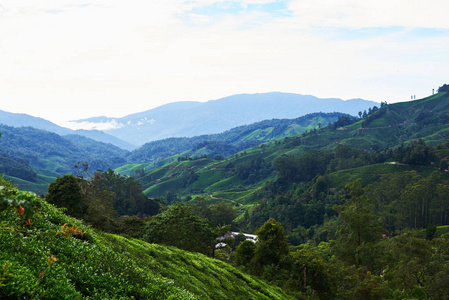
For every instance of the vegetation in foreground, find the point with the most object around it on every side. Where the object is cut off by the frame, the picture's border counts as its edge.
(344, 212)
(48, 255)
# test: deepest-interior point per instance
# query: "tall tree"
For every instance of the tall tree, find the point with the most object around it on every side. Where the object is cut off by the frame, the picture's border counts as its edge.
(179, 226)
(271, 244)
(362, 228)
(66, 192)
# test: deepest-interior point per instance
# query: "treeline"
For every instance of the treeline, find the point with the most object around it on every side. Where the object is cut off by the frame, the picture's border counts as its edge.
(359, 262)
(303, 196)
(107, 201)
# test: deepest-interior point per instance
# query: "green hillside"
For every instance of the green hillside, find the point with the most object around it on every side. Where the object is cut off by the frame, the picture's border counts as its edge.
(59, 257)
(51, 152)
(357, 209)
(233, 140)
(241, 174)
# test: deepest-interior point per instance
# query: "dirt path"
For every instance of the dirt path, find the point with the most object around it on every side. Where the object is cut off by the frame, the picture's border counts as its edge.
(219, 198)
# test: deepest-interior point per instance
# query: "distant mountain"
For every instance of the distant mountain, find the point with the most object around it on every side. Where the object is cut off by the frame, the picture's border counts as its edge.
(233, 140)
(396, 132)
(103, 137)
(24, 120)
(188, 119)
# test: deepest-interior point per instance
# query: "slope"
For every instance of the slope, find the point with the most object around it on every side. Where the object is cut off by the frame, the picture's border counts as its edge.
(187, 119)
(58, 257)
(33, 157)
(233, 140)
(24, 120)
(242, 174)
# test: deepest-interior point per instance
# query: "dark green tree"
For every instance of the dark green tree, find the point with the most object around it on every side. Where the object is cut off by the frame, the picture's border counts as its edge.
(362, 228)
(222, 214)
(179, 226)
(244, 253)
(66, 192)
(271, 244)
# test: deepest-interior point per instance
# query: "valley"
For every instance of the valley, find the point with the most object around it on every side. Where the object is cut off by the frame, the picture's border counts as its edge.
(340, 205)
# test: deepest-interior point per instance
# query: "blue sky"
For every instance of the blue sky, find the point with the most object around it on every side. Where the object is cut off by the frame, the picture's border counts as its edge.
(72, 59)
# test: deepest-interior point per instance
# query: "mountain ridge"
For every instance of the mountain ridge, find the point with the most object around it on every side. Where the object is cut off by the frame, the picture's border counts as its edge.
(24, 120)
(190, 118)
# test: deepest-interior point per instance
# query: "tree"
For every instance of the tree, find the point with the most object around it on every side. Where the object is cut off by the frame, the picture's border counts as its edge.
(416, 262)
(66, 192)
(362, 229)
(443, 88)
(271, 244)
(222, 214)
(244, 253)
(308, 267)
(100, 211)
(179, 226)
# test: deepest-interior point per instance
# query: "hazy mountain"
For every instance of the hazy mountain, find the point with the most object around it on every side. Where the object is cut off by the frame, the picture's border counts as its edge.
(187, 119)
(103, 137)
(24, 120)
(396, 132)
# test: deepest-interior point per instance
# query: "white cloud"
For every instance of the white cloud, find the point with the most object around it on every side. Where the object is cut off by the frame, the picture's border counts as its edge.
(116, 57)
(113, 124)
(379, 13)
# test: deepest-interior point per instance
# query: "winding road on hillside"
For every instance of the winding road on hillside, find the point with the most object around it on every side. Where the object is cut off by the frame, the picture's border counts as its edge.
(219, 198)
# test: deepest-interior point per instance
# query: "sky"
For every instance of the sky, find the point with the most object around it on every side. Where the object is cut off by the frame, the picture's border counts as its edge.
(71, 59)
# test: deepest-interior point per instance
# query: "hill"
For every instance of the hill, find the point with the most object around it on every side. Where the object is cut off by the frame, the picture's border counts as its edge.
(53, 256)
(105, 138)
(51, 155)
(231, 141)
(188, 119)
(24, 120)
(381, 131)
(31, 156)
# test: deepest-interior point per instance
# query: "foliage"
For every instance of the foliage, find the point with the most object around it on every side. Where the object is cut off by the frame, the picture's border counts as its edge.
(271, 244)
(303, 168)
(59, 257)
(231, 141)
(102, 199)
(179, 226)
(244, 253)
(66, 192)
(127, 195)
(254, 170)
(49, 151)
(443, 88)
(362, 227)
(17, 167)
(218, 214)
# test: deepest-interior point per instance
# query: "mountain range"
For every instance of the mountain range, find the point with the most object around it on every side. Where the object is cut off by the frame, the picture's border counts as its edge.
(382, 132)
(188, 119)
(24, 120)
(32, 157)
(353, 200)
